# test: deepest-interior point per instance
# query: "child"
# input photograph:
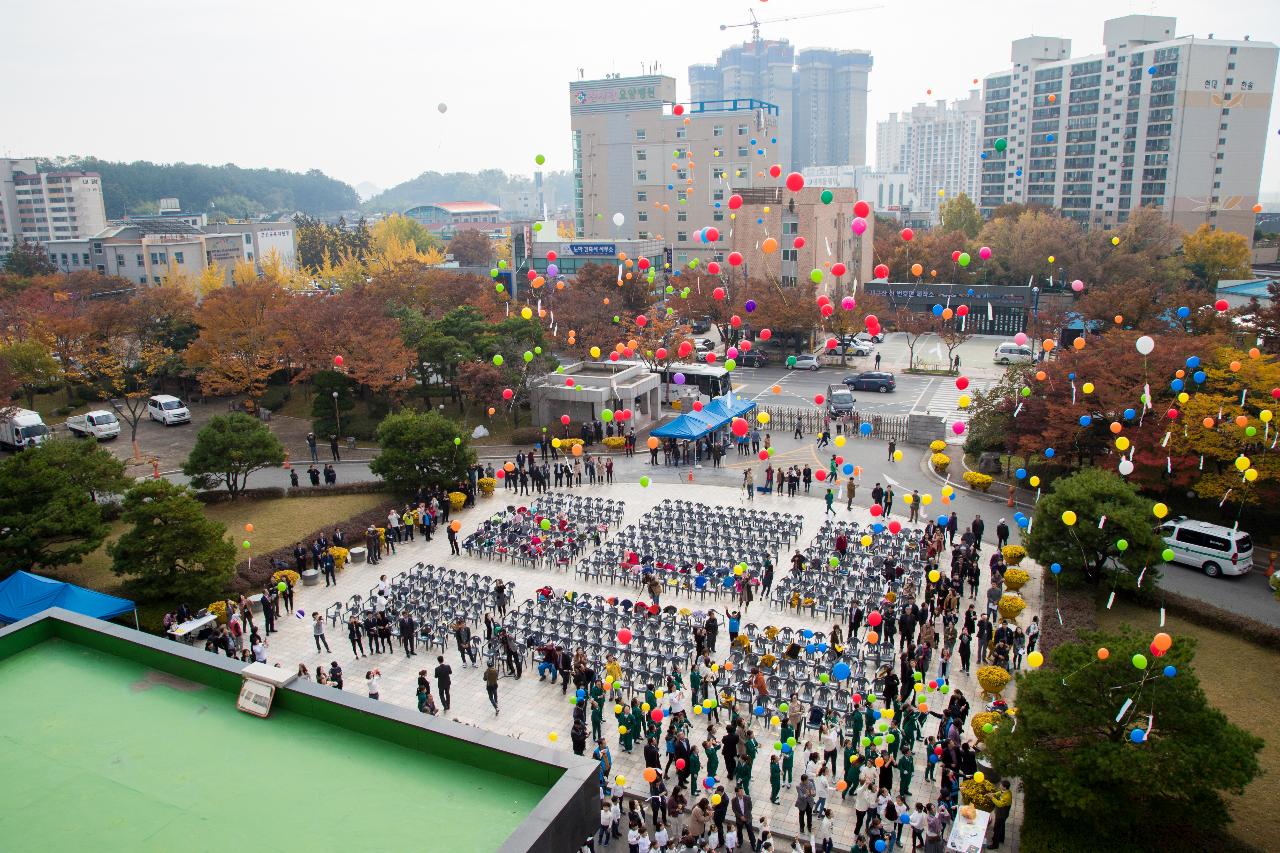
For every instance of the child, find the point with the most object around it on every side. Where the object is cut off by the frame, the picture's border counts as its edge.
(633, 838)
(372, 680)
(730, 837)
(660, 837)
(827, 829)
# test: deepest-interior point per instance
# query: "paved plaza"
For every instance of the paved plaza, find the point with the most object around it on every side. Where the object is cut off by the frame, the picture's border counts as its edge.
(531, 710)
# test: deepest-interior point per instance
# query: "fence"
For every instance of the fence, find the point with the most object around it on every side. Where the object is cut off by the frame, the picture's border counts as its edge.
(811, 421)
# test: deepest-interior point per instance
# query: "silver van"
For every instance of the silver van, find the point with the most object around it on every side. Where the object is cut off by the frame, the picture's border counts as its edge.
(1212, 548)
(1011, 353)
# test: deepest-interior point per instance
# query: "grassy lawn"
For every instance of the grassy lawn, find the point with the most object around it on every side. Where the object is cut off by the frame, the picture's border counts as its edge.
(276, 522)
(47, 403)
(1230, 670)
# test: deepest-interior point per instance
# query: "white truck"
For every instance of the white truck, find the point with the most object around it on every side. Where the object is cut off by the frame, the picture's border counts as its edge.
(21, 428)
(99, 424)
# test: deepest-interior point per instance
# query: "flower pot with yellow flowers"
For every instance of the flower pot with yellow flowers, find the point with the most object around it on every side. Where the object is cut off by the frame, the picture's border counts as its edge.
(983, 719)
(1015, 579)
(978, 793)
(993, 679)
(1011, 606)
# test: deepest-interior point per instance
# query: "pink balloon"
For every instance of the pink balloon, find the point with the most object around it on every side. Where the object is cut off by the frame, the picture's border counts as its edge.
(848, 303)
(731, 352)
(1020, 338)
(1077, 285)
(984, 252)
(958, 428)
(859, 225)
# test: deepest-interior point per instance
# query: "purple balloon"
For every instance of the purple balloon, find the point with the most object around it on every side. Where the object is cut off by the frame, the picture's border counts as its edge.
(678, 379)
(552, 270)
(750, 306)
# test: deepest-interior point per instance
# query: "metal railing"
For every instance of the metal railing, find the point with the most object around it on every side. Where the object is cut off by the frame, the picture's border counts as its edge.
(812, 420)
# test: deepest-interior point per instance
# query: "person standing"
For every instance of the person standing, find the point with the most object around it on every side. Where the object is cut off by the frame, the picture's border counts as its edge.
(830, 499)
(317, 631)
(978, 527)
(269, 603)
(1002, 535)
(1002, 799)
(893, 446)
(888, 501)
(333, 448)
(742, 816)
(353, 634)
(805, 794)
(850, 491)
(408, 633)
(444, 678)
(311, 447)
(373, 682)
(491, 686)
(328, 566)
(914, 517)
(749, 483)
(453, 541)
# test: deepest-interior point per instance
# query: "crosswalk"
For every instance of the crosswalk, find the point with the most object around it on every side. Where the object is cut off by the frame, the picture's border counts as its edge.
(943, 398)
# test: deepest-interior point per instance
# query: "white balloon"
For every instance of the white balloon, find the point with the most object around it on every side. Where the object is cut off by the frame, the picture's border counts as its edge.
(618, 219)
(1145, 344)
(1126, 467)
(443, 107)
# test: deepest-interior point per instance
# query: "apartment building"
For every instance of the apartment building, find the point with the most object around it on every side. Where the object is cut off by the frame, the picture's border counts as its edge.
(40, 206)
(938, 146)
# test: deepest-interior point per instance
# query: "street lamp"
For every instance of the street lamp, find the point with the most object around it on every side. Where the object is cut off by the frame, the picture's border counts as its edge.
(336, 416)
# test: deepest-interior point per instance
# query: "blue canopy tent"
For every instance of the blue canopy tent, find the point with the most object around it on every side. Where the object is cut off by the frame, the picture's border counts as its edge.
(23, 594)
(715, 415)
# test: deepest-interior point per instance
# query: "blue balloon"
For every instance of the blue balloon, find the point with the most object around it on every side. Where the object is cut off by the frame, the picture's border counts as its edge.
(876, 713)
(1021, 473)
(773, 140)
(806, 633)
(1130, 414)
(983, 155)
(1023, 522)
(786, 749)
(847, 468)
(811, 648)
(1151, 70)
(971, 291)
(1071, 376)
(1193, 361)
(581, 693)
(1048, 452)
(933, 759)
(865, 428)
(937, 310)
(759, 710)
(1056, 568)
(880, 845)
(1184, 312)
(1177, 385)
(1199, 376)
(942, 519)
(822, 647)
(1018, 171)
(753, 142)
(877, 528)
(671, 186)
(840, 671)
(1048, 137)
(1170, 671)
(717, 204)
(904, 818)
(1085, 420)
(1137, 735)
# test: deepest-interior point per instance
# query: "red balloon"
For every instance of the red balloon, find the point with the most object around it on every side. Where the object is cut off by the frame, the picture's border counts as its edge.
(661, 353)
(684, 349)
(624, 636)
(895, 527)
(735, 321)
(818, 399)
(643, 263)
(735, 201)
(713, 234)
(745, 346)
(775, 170)
(507, 393)
(718, 293)
(827, 309)
(765, 334)
(337, 361)
(955, 256)
(657, 712)
(713, 268)
(873, 320)
(798, 243)
(739, 427)
(962, 382)
(823, 299)
(678, 109)
(907, 234)
(821, 474)
(763, 454)
(735, 259)
(564, 419)
(882, 271)
(679, 763)
(795, 182)
(531, 274)
(697, 405)
(1275, 393)
(551, 255)
(877, 510)
(642, 320)
(962, 310)
(874, 618)
(838, 269)
(711, 358)
(613, 356)
(861, 209)
(1221, 305)
(832, 343)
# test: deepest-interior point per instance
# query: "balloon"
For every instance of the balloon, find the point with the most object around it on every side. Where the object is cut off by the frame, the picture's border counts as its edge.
(826, 196)
(769, 246)
(964, 259)
(881, 271)
(1162, 641)
(1145, 345)
(906, 234)
(624, 635)
(735, 201)
(248, 528)
(795, 182)
(1077, 285)
(916, 269)
(618, 219)
(1068, 518)
(337, 361)
(984, 252)
(1002, 144)
(442, 107)
(859, 225)
(861, 209)
(1139, 661)
(1035, 660)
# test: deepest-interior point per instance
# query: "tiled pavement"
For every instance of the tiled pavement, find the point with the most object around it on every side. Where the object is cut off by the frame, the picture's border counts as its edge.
(530, 710)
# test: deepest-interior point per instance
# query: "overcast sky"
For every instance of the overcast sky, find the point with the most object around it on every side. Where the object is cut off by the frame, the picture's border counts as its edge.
(353, 88)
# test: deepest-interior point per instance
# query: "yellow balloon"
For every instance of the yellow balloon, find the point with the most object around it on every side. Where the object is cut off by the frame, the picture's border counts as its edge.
(979, 777)
(935, 576)
(526, 312)
(763, 417)
(1122, 443)
(644, 706)
(1034, 481)
(1184, 397)
(926, 499)
(1035, 659)
(775, 720)
(1242, 462)
(1265, 416)
(1251, 474)
(595, 352)
(1087, 388)
(897, 456)
(840, 440)
(715, 799)
(553, 737)
(1160, 510)
(866, 541)
(1068, 518)
(555, 442)
(1051, 259)
(947, 491)
(620, 779)
(964, 401)
(908, 500)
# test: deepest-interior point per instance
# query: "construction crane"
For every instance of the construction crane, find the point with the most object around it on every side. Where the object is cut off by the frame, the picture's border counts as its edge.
(755, 23)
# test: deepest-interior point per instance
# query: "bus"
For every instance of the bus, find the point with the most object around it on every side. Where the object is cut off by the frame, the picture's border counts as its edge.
(710, 381)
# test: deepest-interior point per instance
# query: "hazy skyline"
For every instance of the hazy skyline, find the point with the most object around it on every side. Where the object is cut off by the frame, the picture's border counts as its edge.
(353, 89)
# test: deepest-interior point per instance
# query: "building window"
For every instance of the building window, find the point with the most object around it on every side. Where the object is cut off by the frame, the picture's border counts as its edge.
(681, 132)
(642, 216)
(248, 239)
(742, 130)
(717, 130)
(682, 236)
(790, 255)
(642, 195)
(155, 259)
(642, 154)
(141, 262)
(177, 257)
(119, 260)
(97, 248)
(643, 235)
(640, 135)
(742, 151)
(155, 279)
(142, 279)
(682, 216)
(86, 259)
(718, 216)
(642, 176)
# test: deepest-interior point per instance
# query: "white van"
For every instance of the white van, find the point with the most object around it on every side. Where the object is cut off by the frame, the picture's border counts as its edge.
(1011, 353)
(168, 410)
(1214, 549)
(21, 428)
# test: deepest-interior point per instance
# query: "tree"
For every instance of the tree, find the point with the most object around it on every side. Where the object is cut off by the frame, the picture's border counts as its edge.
(472, 248)
(1213, 255)
(126, 365)
(405, 230)
(483, 382)
(914, 325)
(1086, 551)
(959, 213)
(29, 259)
(421, 451)
(1021, 248)
(241, 341)
(31, 366)
(48, 515)
(1073, 747)
(229, 448)
(953, 333)
(173, 551)
(327, 410)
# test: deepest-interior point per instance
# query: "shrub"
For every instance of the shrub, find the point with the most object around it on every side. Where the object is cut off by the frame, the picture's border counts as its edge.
(275, 397)
(568, 442)
(941, 462)
(615, 442)
(526, 435)
(1013, 554)
(993, 679)
(486, 485)
(456, 501)
(288, 575)
(937, 445)
(978, 794)
(1010, 606)
(1015, 579)
(980, 721)
(981, 482)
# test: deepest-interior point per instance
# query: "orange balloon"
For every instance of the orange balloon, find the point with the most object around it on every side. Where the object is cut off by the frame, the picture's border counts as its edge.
(873, 637)
(1040, 375)
(653, 443)
(1162, 641)
(559, 285)
(947, 313)
(1116, 427)
(630, 263)
(248, 528)
(1078, 343)
(455, 526)
(879, 761)
(1235, 365)
(1119, 319)
(769, 246)
(728, 664)
(666, 208)
(1242, 421)
(777, 389)
(1103, 653)
(539, 281)
(1181, 374)
(628, 274)
(650, 774)
(510, 466)
(577, 450)
(916, 269)
(1208, 423)
(933, 273)
(841, 785)
(1255, 353)
(1048, 344)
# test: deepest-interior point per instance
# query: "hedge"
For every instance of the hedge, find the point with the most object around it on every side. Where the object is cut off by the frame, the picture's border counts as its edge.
(526, 435)
(369, 487)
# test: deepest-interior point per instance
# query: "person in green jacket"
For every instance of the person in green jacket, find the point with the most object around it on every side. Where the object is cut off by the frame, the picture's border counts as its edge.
(911, 729)
(788, 764)
(906, 769)
(677, 679)
(855, 720)
(695, 683)
(787, 731)
(711, 746)
(625, 738)
(831, 496)
(742, 774)
(695, 771)
(775, 779)
(931, 767)
(597, 717)
(851, 767)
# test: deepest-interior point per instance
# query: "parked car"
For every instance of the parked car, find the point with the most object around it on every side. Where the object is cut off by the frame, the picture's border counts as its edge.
(877, 338)
(804, 362)
(704, 345)
(840, 400)
(21, 428)
(99, 424)
(700, 325)
(871, 381)
(1011, 353)
(1212, 548)
(752, 359)
(168, 410)
(852, 347)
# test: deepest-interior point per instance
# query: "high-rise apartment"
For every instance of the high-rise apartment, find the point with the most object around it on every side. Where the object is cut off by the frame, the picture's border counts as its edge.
(40, 206)
(821, 96)
(938, 145)
(1175, 123)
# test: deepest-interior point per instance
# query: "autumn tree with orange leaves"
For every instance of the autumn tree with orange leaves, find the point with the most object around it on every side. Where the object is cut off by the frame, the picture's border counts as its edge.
(242, 339)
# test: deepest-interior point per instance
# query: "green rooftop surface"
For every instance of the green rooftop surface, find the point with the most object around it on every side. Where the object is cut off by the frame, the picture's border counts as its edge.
(102, 753)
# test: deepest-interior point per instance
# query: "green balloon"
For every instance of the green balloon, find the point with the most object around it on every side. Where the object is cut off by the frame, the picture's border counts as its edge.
(1250, 431)
(545, 524)
(826, 196)
(606, 415)
(670, 289)
(457, 441)
(1123, 544)
(246, 544)
(1140, 662)
(964, 259)
(528, 356)
(693, 264)
(282, 586)
(791, 741)
(539, 159)
(537, 226)
(822, 676)
(497, 360)
(499, 287)
(1167, 555)
(730, 364)
(538, 350)
(493, 273)
(1002, 144)
(1026, 391)
(816, 276)
(502, 265)
(791, 361)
